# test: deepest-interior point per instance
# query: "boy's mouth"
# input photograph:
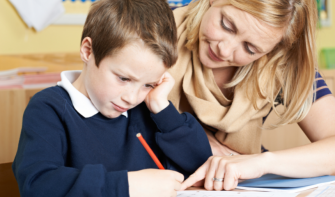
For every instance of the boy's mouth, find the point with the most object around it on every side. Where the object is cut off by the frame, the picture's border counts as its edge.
(118, 108)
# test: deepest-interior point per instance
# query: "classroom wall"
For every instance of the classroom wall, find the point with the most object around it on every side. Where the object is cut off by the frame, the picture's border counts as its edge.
(326, 35)
(16, 38)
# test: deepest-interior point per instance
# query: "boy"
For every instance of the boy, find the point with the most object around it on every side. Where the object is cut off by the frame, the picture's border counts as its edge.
(79, 138)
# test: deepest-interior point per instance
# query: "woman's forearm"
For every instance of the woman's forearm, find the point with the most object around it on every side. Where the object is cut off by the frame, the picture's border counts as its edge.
(310, 160)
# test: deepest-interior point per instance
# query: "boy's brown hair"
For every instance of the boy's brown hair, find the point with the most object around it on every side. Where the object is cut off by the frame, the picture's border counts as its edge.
(112, 24)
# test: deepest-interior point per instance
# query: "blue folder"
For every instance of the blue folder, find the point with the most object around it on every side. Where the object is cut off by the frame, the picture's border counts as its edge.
(272, 181)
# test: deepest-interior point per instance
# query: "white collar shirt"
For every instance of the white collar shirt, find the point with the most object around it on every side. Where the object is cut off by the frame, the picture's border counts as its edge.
(80, 102)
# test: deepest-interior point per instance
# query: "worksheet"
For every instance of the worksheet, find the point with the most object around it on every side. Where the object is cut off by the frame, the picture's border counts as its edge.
(194, 193)
(324, 191)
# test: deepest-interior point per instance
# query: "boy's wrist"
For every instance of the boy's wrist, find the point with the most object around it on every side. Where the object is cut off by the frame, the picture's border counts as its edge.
(156, 107)
(168, 119)
(132, 182)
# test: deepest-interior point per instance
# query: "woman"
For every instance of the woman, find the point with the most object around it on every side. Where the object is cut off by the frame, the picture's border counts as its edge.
(238, 59)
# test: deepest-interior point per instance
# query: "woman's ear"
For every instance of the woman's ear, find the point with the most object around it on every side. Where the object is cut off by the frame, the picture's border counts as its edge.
(86, 49)
(211, 2)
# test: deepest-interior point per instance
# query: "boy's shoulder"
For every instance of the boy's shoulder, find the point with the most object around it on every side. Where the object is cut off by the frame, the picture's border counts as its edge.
(52, 96)
(53, 93)
(46, 106)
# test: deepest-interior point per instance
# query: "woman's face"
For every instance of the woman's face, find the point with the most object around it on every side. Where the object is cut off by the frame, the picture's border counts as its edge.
(232, 37)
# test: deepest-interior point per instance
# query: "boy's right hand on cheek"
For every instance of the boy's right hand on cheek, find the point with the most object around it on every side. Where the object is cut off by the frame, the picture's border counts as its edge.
(154, 182)
(157, 100)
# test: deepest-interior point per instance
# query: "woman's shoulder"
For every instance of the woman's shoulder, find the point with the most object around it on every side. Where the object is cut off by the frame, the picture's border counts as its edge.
(321, 88)
(180, 15)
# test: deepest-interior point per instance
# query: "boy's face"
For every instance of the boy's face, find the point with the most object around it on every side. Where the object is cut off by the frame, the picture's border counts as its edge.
(123, 80)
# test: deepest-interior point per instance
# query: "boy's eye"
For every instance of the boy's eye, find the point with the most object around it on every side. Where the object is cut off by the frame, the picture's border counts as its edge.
(124, 79)
(149, 86)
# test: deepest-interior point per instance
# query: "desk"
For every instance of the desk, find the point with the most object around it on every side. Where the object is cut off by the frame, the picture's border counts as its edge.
(8, 184)
(301, 194)
(12, 105)
(14, 101)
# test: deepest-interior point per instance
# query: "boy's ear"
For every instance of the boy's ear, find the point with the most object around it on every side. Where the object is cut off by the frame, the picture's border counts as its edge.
(86, 49)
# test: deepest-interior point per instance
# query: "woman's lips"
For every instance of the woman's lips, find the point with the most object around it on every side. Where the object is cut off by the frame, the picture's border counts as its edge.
(118, 108)
(212, 55)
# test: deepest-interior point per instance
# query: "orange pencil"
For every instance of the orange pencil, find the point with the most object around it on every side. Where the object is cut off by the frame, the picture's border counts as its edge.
(151, 153)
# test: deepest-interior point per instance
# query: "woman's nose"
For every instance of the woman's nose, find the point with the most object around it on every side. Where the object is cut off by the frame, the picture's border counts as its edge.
(226, 49)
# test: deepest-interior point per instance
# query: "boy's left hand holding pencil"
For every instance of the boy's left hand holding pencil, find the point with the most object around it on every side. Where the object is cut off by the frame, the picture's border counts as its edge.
(157, 100)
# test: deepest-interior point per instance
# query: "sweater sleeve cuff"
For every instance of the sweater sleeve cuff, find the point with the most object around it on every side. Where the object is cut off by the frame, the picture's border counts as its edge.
(117, 183)
(168, 119)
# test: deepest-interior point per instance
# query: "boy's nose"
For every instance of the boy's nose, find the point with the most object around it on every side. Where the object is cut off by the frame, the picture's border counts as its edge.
(130, 97)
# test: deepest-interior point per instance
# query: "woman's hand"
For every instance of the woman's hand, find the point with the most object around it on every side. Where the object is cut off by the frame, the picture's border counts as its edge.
(154, 182)
(157, 100)
(218, 149)
(230, 169)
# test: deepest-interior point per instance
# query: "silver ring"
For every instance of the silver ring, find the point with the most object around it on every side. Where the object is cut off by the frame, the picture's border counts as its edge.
(231, 154)
(216, 179)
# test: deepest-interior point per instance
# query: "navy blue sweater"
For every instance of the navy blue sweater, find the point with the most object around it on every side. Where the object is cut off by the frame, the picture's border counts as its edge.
(61, 153)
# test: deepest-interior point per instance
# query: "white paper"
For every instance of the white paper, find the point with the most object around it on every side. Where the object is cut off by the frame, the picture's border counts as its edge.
(194, 193)
(39, 13)
(324, 191)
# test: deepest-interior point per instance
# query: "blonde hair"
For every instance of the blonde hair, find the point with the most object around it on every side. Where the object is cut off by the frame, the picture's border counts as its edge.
(290, 66)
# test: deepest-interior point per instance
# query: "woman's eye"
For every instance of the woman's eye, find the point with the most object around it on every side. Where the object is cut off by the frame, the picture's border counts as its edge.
(124, 79)
(225, 26)
(248, 49)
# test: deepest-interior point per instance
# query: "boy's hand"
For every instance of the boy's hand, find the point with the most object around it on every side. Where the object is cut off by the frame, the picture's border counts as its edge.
(153, 183)
(157, 100)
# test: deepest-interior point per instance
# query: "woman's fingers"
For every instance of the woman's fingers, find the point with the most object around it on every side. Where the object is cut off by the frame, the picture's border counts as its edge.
(191, 180)
(213, 165)
(231, 178)
(224, 172)
(220, 174)
(199, 183)
(197, 176)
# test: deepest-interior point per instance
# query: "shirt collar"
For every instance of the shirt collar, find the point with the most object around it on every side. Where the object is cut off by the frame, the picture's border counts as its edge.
(80, 102)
